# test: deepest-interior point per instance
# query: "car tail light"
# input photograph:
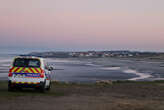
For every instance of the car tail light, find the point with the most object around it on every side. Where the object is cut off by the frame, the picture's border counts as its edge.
(42, 73)
(10, 73)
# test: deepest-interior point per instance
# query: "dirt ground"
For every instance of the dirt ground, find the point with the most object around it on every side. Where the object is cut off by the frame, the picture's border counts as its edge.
(117, 96)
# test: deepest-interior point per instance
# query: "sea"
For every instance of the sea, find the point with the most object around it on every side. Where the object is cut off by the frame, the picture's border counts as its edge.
(90, 70)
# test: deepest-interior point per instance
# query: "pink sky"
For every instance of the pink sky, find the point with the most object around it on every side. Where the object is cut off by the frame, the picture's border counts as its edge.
(83, 24)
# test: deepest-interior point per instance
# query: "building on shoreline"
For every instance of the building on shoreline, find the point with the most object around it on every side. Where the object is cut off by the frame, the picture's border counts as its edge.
(95, 54)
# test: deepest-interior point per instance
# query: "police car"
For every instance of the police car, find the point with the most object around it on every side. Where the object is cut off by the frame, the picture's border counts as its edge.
(29, 71)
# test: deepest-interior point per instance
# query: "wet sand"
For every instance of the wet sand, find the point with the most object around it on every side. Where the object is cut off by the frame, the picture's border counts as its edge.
(109, 69)
(87, 70)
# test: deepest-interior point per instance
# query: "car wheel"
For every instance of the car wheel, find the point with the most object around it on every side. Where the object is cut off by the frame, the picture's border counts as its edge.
(42, 87)
(10, 88)
(49, 87)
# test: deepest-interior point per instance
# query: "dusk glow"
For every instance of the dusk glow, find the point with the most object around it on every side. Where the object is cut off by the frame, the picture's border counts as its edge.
(82, 24)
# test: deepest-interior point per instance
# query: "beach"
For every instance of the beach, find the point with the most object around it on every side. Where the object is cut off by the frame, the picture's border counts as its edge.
(91, 84)
(90, 70)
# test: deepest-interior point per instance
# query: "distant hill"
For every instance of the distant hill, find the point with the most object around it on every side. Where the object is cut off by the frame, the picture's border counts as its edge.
(99, 54)
(50, 54)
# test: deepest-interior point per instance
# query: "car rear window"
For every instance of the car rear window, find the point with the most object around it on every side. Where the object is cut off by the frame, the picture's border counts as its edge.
(24, 62)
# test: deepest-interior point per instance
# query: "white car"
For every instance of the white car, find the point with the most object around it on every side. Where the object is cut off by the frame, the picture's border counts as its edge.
(29, 71)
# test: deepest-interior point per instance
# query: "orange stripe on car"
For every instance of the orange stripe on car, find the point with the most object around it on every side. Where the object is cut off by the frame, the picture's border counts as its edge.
(26, 70)
(31, 70)
(34, 70)
(19, 70)
(15, 70)
(37, 70)
(22, 69)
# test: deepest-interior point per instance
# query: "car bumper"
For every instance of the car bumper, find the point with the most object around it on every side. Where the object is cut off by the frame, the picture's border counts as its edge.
(25, 84)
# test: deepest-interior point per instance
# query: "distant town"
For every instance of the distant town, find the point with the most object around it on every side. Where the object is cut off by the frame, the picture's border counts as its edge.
(95, 54)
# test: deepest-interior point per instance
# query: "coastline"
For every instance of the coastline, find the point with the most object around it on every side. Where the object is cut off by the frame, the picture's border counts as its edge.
(86, 70)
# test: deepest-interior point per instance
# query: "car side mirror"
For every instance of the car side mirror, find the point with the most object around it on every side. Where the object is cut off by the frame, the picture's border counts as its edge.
(50, 68)
(46, 67)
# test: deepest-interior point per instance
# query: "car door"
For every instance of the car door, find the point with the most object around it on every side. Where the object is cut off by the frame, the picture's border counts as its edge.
(47, 74)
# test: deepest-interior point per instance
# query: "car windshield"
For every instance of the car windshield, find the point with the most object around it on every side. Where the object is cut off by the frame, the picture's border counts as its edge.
(24, 62)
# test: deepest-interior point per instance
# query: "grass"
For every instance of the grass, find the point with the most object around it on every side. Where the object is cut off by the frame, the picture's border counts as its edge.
(139, 82)
(27, 92)
(120, 95)
(56, 85)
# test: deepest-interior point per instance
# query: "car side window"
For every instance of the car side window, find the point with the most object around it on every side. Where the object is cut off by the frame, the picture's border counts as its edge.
(45, 65)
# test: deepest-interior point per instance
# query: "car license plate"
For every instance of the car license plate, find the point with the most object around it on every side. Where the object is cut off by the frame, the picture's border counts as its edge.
(19, 76)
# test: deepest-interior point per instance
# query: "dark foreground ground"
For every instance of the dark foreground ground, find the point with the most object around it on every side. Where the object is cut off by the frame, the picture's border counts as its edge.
(116, 96)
